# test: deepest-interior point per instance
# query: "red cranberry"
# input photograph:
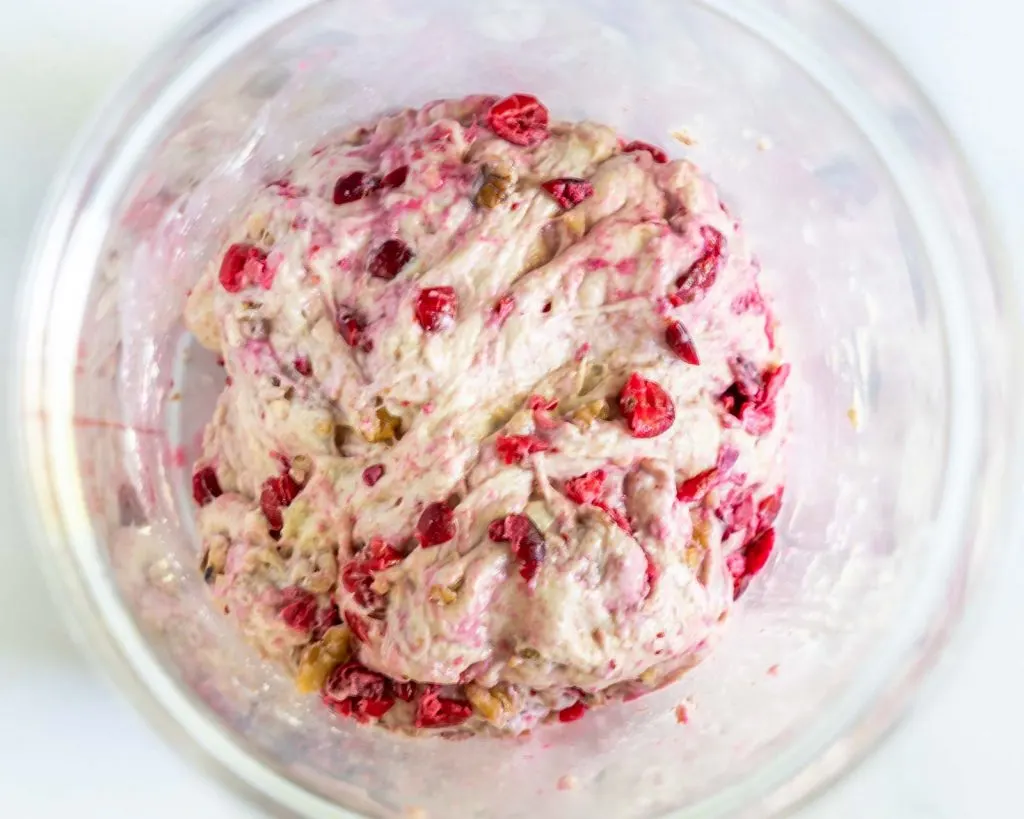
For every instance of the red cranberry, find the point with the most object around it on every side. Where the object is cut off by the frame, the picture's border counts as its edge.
(572, 713)
(646, 406)
(354, 690)
(774, 381)
(405, 691)
(740, 511)
(527, 542)
(436, 308)
(357, 575)
(636, 145)
(326, 618)
(380, 555)
(389, 258)
(374, 708)
(354, 186)
(651, 572)
(277, 493)
(750, 560)
(538, 403)
(617, 517)
(436, 525)
(681, 342)
(372, 474)
(357, 625)
(751, 397)
(768, 509)
(244, 265)
(586, 488)
(703, 272)
(205, 486)
(695, 488)
(759, 420)
(395, 178)
(520, 119)
(758, 550)
(502, 309)
(568, 191)
(734, 401)
(351, 326)
(512, 449)
(747, 378)
(343, 707)
(298, 608)
(303, 366)
(435, 711)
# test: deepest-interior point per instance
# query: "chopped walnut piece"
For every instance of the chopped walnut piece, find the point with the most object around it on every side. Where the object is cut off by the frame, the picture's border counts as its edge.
(702, 531)
(442, 595)
(388, 428)
(494, 704)
(564, 231)
(320, 659)
(216, 557)
(499, 180)
(301, 468)
(590, 412)
(693, 556)
(255, 329)
(256, 226)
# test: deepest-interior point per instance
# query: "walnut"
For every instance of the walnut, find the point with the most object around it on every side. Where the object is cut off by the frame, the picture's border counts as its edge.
(251, 324)
(387, 429)
(301, 468)
(215, 559)
(693, 556)
(494, 704)
(564, 231)
(257, 229)
(590, 412)
(322, 578)
(499, 182)
(442, 595)
(318, 660)
(702, 531)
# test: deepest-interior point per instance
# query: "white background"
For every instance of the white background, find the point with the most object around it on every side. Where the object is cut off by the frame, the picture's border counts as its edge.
(70, 746)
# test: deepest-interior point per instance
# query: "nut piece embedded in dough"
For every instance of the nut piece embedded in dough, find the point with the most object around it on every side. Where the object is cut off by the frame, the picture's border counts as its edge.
(443, 595)
(320, 659)
(301, 468)
(493, 704)
(590, 412)
(388, 428)
(499, 181)
(215, 560)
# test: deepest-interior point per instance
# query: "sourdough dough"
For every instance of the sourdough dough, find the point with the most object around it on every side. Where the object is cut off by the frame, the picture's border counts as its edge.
(500, 439)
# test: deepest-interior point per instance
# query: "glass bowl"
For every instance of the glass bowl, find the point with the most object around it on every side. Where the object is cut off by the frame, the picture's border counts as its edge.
(897, 314)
